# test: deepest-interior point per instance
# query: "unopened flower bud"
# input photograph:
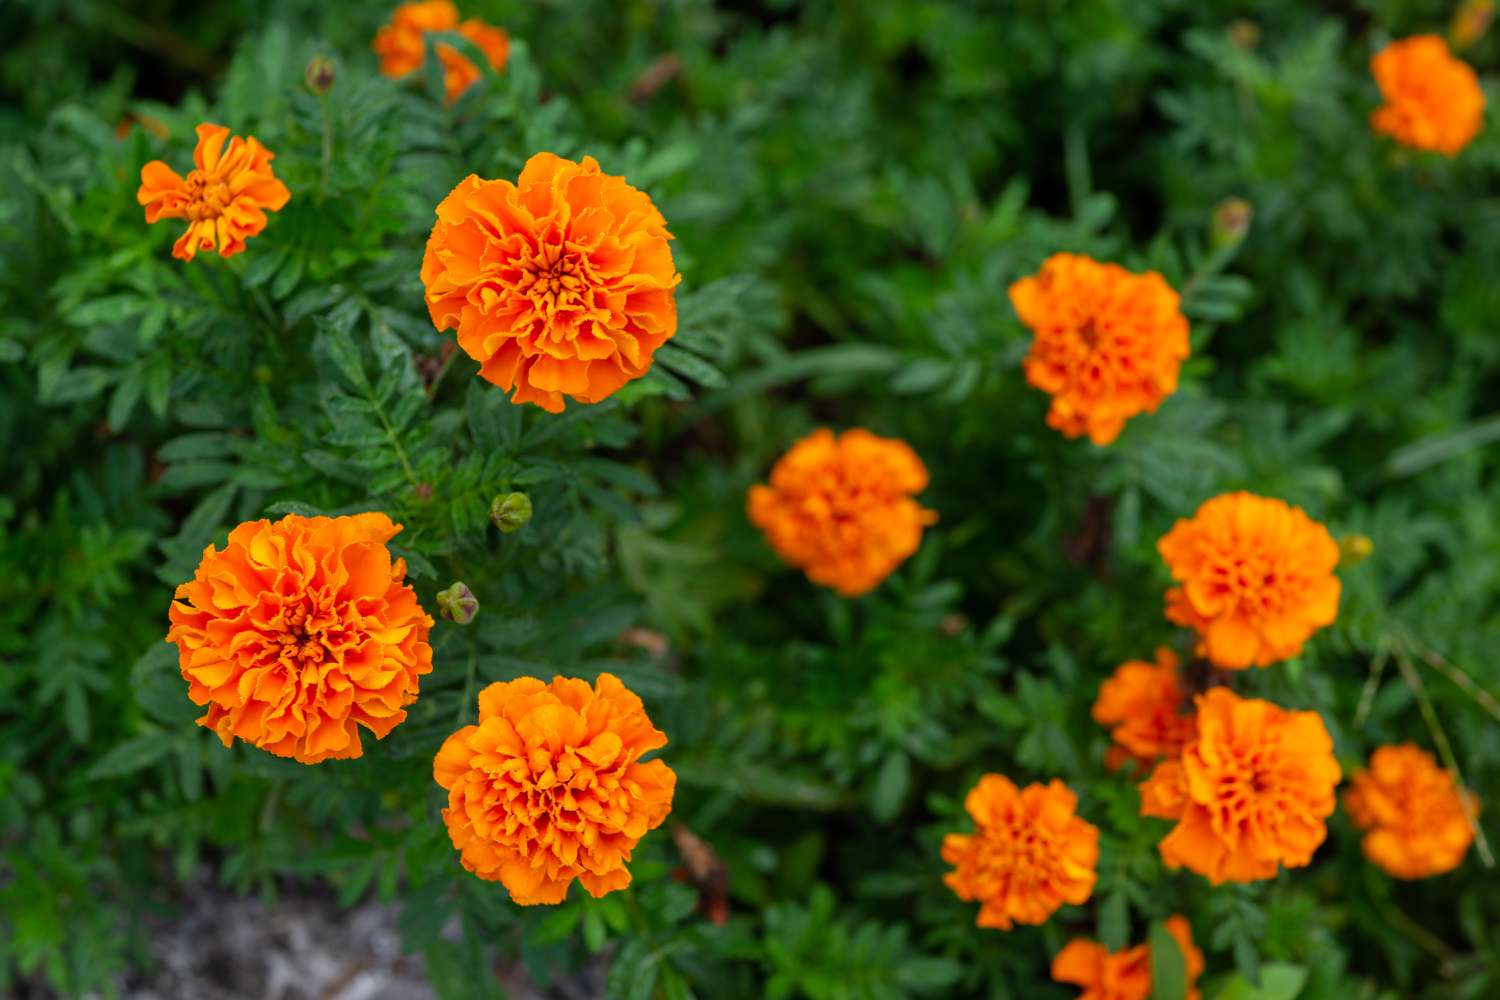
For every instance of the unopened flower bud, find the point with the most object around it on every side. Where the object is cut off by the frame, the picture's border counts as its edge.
(319, 75)
(1244, 34)
(510, 511)
(1230, 222)
(458, 604)
(1354, 549)
(1470, 22)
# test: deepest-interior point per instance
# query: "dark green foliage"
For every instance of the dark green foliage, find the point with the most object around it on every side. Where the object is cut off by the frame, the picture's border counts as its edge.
(852, 186)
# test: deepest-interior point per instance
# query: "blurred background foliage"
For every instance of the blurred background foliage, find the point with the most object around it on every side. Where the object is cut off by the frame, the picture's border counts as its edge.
(853, 186)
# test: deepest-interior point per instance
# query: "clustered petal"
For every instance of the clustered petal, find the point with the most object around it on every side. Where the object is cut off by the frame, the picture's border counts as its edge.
(299, 632)
(1142, 703)
(549, 786)
(841, 508)
(225, 197)
(1432, 98)
(561, 284)
(1417, 821)
(1256, 579)
(1250, 792)
(1125, 974)
(402, 49)
(1029, 854)
(1107, 343)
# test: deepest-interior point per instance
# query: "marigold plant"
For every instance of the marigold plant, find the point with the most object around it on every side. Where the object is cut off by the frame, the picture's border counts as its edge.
(549, 786)
(1142, 704)
(1028, 855)
(1125, 974)
(840, 508)
(402, 47)
(299, 632)
(1432, 98)
(1255, 578)
(1417, 821)
(1252, 790)
(225, 197)
(561, 284)
(1107, 344)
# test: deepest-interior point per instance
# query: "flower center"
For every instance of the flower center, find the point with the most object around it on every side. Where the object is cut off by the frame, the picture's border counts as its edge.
(208, 196)
(556, 279)
(301, 642)
(1089, 333)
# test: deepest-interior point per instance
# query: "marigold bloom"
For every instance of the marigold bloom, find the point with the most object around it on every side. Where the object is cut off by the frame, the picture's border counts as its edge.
(1432, 98)
(1417, 821)
(402, 50)
(1126, 974)
(549, 786)
(841, 508)
(1251, 790)
(299, 632)
(559, 285)
(1142, 703)
(1256, 579)
(225, 197)
(1107, 343)
(1029, 853)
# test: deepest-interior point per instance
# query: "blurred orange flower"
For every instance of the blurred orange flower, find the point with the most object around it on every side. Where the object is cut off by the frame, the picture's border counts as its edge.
(1417, 821)
(1251, 791)
(402, 50)
(1107, 343)
(1432, 98)
(1029, 853)
(299, 632)
(225, 198)
(549, 786)
(1256, 579)
(1124, 975)
(1142, 703)
(559, 285)
(841, 508)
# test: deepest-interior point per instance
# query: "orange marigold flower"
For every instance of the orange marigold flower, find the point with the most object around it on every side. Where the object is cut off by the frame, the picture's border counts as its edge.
(559, 285)
(301, 631)
(841, 508)
(549, 786)
(1142, 703)
(1107, 343)
(1126, 974)
(1251, 790)
(1256, 579)
(1432, 98)
(402, 50)
(1029, 853)
(225, 197)
(1417, 821)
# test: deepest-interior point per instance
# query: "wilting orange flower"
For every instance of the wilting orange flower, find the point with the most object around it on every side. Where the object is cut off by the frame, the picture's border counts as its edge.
(559, 285)
(1126, 974)
(1107, 343)
(300, 631)
(402, 49)
(1142, 703)
(225, 198)
(1029, 853)
(1251, 790)
(841, 508)
(549, 786)
(1432, 98)
(1256, 579)
(1417, 821)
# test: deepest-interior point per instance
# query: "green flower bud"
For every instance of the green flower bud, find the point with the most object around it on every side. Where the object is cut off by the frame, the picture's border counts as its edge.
(458, 604)
(319, 75)
(1231, 222)
(510, 511)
